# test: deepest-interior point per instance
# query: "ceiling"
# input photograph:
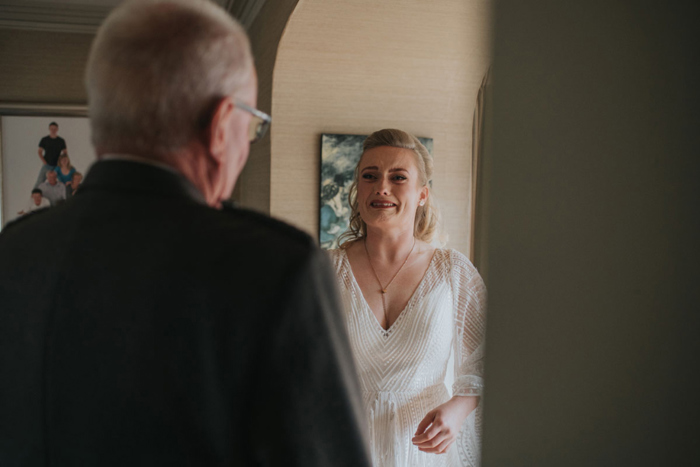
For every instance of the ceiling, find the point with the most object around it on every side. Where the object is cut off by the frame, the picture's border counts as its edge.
(85, 16)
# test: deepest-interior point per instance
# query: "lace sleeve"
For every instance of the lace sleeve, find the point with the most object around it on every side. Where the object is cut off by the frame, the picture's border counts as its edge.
(469, 294)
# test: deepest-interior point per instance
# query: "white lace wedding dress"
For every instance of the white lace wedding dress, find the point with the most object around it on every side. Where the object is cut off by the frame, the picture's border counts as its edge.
(402, 370)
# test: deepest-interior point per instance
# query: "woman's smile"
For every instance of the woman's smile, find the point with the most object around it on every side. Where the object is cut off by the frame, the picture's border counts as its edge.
(382, 204)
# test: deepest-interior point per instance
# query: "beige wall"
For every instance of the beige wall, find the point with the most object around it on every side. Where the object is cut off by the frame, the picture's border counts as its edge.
(42, 67)
(355, 67)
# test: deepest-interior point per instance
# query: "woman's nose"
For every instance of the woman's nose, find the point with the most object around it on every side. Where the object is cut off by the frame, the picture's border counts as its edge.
(382, 187)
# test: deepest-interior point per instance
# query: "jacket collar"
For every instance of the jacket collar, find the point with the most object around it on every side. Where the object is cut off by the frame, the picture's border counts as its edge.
(136, 175)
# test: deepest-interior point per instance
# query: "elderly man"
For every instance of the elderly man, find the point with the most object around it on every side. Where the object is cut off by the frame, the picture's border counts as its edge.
(52, 189)
(147, 323)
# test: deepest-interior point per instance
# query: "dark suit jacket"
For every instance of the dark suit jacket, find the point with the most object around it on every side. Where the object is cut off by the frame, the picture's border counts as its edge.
(140, 327)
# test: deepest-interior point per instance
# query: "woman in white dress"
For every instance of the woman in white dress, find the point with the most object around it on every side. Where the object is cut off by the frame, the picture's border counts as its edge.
(409, 307)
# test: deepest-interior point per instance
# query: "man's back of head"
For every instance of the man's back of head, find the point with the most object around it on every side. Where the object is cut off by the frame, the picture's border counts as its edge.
(157, 70)
(167, 80)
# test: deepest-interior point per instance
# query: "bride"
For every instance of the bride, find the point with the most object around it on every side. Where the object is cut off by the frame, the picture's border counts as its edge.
(409, 307)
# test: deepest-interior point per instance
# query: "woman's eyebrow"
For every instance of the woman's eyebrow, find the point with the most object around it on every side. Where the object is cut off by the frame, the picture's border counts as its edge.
(394, 169)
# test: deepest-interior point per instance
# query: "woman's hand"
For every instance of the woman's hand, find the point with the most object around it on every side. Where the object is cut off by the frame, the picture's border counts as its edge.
(439, 429)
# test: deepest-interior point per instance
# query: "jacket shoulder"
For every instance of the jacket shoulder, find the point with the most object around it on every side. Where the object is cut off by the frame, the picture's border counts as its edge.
(22, 220)
(269, 226)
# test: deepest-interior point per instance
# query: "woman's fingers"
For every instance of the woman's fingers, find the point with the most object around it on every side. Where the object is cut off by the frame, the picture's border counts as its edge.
(440, 448)
(432, 444)
(428, 438)
(445, 422)
(425, 423)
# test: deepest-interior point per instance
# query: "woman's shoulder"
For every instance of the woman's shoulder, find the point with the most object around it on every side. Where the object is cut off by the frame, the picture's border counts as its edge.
(458, 263)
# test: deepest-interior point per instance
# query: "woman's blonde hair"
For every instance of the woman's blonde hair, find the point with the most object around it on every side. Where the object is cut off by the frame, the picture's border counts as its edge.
(427, 216)
(60, 158)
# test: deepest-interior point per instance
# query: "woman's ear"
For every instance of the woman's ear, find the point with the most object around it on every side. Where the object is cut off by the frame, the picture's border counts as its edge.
(423, 197)
(220, 129)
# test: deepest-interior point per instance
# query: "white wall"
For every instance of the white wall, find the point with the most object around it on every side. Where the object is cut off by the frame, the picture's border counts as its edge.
(20, 160)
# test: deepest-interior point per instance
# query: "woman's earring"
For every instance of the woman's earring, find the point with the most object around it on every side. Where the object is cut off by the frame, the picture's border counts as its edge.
(422, 202)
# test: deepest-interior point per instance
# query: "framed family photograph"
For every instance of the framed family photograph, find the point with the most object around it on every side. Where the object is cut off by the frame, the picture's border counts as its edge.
(45, 151)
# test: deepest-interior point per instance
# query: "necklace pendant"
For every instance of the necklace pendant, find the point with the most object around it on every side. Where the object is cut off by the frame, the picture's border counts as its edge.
(383, 290)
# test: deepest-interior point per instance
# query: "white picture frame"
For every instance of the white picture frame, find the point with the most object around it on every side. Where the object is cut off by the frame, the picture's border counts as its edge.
(35, 114)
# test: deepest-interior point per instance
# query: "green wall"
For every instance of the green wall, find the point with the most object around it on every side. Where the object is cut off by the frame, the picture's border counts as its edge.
(589, 235)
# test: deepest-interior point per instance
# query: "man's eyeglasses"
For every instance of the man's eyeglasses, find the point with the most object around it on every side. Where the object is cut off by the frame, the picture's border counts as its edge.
(258, 124)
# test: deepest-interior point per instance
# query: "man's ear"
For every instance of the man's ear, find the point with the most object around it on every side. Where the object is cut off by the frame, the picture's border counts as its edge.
(220, 129)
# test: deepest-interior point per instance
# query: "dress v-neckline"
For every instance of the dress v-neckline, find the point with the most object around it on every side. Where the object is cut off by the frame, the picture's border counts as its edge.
(388, 331)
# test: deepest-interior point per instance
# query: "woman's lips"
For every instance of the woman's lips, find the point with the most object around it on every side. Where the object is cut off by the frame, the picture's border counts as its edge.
(382, 204)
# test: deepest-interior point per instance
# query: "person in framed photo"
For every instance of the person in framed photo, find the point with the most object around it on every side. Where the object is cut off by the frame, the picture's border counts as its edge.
(51, 147)
(52, 189)
(36, 202)
(65, 170)
(75, 184)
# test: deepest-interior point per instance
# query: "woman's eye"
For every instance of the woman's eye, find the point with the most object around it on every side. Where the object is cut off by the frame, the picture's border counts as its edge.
(368, 176)
(399, 177)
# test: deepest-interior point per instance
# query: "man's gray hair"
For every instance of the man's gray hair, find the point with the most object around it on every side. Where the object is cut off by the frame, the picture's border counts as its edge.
(157, 71)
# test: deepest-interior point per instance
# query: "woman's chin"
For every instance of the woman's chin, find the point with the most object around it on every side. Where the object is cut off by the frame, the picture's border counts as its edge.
(383, 220)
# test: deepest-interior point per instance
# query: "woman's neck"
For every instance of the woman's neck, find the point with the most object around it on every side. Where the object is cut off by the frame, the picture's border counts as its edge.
(389, 246)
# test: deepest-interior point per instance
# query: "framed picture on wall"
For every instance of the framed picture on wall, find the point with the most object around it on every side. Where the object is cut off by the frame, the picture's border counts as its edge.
(45, 151)
(339, 156)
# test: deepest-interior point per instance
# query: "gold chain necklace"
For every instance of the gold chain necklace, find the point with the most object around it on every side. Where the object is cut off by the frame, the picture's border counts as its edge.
(384, 289)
